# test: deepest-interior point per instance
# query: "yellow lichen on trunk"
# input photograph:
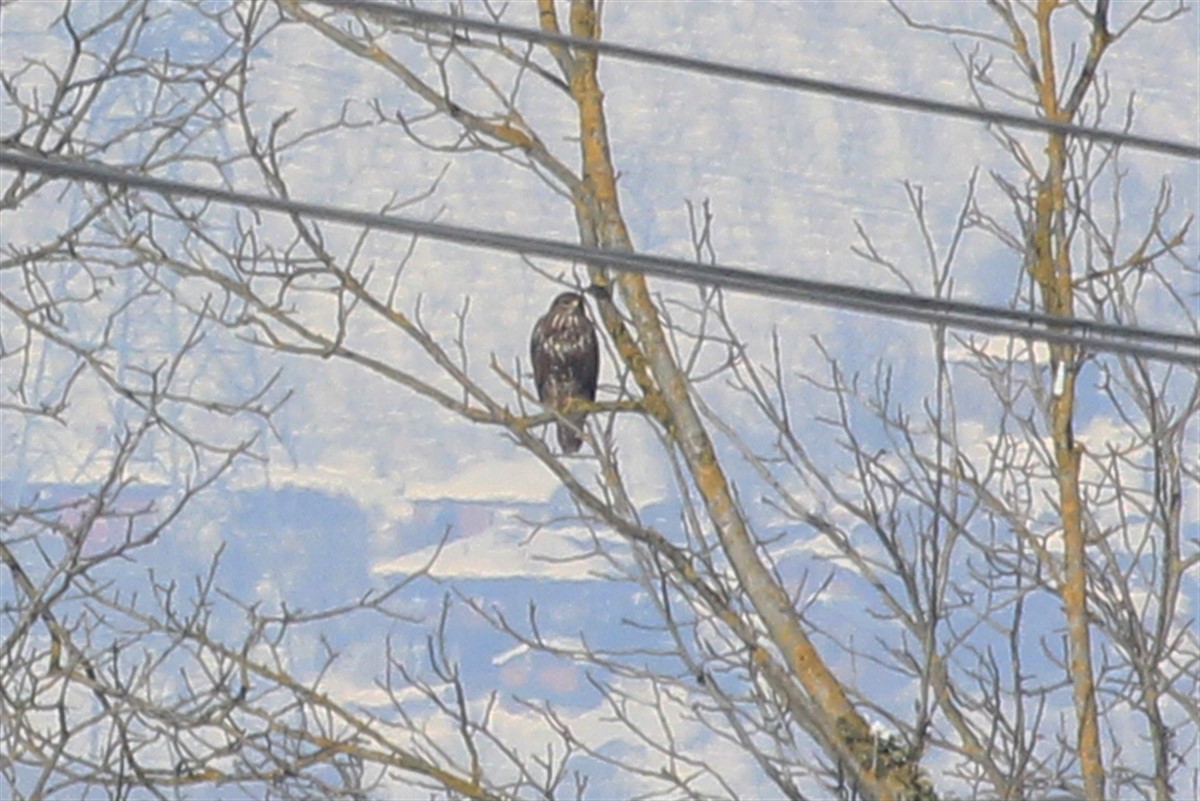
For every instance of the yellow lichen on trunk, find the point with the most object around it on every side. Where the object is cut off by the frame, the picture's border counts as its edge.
(1051, 269)
(843, 732)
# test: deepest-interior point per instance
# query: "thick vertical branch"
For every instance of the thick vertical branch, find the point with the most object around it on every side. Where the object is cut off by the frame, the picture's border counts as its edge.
(548, 20)
(844, 731)
(1051, 268)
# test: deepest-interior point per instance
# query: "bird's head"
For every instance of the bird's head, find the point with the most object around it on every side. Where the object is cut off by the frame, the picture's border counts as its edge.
(569, 302)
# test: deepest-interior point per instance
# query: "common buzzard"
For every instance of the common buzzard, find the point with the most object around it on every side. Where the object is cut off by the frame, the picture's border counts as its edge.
(566, 361)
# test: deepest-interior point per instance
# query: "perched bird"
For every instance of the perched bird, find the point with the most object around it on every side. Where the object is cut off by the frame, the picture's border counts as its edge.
(566, 361)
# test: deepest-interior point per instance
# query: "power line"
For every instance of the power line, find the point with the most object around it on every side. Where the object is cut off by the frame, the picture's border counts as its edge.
(770, 78)
(1092, 335)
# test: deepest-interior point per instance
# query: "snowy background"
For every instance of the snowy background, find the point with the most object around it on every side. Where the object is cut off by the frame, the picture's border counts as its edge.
(367, 477)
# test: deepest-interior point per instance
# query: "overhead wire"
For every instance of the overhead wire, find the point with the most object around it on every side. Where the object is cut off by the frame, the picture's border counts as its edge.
(768, 77)
(1089, 334)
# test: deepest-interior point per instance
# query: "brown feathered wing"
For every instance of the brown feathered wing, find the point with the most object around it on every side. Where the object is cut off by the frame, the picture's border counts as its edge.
(566, 361)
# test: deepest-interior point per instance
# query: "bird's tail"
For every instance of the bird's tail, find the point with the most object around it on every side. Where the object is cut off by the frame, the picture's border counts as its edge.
(568, 439)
